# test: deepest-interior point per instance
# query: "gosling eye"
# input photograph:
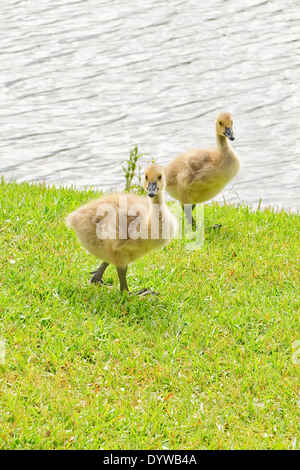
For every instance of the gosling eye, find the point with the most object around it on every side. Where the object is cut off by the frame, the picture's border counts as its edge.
(146, 177)
(159, 177)
(220, 122)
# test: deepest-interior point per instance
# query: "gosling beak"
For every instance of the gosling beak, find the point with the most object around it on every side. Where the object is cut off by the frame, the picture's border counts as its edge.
(152, 189)
(229, 133)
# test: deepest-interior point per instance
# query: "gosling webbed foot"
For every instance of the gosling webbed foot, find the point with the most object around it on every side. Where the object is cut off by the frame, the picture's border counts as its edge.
(98, 274)
(144, 292)
(101, 282)
(95, 279)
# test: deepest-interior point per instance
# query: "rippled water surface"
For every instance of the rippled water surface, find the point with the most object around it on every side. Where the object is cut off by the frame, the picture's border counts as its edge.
(83, 82)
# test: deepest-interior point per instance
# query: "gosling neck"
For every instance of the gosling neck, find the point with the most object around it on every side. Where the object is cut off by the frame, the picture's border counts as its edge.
(222, 142)
(157, 201)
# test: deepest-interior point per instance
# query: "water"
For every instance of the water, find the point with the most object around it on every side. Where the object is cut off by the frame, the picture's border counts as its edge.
(83, 82)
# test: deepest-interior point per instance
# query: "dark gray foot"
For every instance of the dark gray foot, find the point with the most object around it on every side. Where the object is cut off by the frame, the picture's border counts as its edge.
(95, 279)
(97, 275)
(145, 291)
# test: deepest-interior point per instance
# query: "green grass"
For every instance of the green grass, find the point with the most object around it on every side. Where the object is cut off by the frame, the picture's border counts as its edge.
(207, 364)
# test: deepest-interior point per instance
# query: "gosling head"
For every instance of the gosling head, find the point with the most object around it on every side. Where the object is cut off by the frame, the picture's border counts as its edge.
(224, 125)
(154, 181)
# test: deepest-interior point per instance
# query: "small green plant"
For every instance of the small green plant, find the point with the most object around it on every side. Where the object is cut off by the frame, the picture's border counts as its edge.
(129, 166)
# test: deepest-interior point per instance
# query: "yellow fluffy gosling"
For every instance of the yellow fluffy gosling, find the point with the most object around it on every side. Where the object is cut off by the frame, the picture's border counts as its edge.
(121, 228)
(200, 174)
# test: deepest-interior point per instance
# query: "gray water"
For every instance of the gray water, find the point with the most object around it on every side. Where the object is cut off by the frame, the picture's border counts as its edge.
(83, 82)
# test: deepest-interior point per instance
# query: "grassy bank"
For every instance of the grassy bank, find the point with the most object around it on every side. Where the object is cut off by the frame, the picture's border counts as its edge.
(210, 363)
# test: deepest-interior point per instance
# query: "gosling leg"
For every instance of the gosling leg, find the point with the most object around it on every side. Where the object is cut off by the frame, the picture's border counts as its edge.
(123, 283)
(97, 275)
(193, 220)
(122, 277)
(188, 210)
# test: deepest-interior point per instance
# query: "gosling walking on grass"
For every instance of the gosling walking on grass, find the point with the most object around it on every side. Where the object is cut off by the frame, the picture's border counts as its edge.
(121, 228)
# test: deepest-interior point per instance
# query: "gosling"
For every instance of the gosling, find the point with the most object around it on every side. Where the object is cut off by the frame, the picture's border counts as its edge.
(121, 228)
(200, 174)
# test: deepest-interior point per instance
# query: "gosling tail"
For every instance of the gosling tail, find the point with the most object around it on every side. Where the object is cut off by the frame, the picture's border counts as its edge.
(70, 220)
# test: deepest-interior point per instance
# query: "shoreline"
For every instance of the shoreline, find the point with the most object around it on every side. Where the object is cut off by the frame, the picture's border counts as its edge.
(101, 192)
